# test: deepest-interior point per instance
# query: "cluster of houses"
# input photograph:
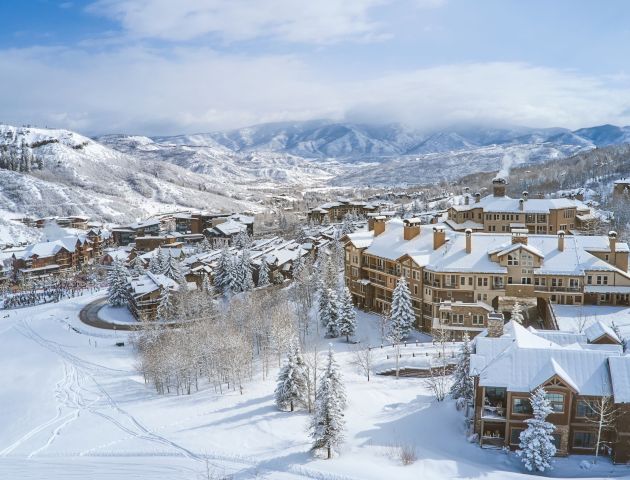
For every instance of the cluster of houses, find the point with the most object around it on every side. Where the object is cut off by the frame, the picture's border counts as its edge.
(336, 211)
(146, 290)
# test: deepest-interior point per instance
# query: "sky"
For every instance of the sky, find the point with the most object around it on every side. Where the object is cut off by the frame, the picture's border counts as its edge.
(161, 67)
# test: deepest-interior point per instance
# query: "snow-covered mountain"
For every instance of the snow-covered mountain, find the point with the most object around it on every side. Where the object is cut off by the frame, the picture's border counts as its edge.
(82, 176)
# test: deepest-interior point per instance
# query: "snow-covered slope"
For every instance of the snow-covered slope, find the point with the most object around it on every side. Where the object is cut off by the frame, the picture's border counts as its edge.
(82, 176)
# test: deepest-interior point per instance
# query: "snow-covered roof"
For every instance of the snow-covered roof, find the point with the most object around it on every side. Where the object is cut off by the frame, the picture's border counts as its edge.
(522, 360)
(598, 329)
(492, 204)
(149, 282)
(49, 249)
(620, 377)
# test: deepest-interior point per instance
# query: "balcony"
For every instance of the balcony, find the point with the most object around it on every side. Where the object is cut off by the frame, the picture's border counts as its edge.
(492, 412)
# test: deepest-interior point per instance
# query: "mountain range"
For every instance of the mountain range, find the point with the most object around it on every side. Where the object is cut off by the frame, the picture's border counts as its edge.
(123, 177)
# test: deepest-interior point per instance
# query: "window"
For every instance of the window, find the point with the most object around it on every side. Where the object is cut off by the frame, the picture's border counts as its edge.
(521, 406)
(355, 272)
(583, 410)
(583, 440)
(556, 401)
(515, 436)
(512, 259)
(415, 289)
(602, 280)
(589, 279)
(477, 320)
(458, 319)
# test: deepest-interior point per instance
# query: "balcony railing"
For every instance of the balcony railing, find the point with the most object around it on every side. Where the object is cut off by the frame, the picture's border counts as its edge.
(493, 412)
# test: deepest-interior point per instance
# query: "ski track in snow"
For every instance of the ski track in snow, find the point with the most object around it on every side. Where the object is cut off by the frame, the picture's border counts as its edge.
(70, 394)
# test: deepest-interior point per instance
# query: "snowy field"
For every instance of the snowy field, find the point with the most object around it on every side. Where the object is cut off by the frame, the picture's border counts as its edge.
(74, 407)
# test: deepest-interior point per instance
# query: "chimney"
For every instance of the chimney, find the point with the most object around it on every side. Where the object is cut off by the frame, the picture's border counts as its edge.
(612, 240)
(468, 240)
(439, 237)
(411, 228)
(519, 235)
(561, 240)
(466, 199)
(495, 325)
(477, 197)
(379, 225)
(525, 195)
(521, 203)
(498, 186)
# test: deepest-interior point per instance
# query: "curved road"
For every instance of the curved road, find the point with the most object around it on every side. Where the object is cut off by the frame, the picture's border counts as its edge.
(89, 316)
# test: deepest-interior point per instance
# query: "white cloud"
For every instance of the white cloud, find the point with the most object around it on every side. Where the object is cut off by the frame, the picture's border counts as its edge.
(319, 21)
(140, 90)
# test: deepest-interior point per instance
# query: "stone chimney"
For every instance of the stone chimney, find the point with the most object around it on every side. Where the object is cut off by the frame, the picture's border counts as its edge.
(525, 195)
(468, 240)
(561, 240)
(521, 204)
(477, 197)
(379, 225)
(519, 235)
(411, 228)
(439, 237)
(498, 186)
(612, 240)
(495, 325)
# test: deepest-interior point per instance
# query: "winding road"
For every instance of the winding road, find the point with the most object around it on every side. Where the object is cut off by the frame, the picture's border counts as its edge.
(89, 316)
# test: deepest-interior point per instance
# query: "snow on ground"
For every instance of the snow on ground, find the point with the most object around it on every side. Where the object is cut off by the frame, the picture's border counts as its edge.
(575, 318)
(74, 407)
(116, 315)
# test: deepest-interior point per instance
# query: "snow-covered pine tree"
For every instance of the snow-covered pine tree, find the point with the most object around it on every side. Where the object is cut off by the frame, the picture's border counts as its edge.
(537, 447)
(462, 381)
(245, 271)
(206, 286)
(173, 270)
(330, 314)
(155, 264)
(328, 421)
(517, 313)
(347, 319)
(292, 387)
(298, 264)
(136, 266)
(263, 273)
(223, 272)
(117, 294)
(401, 314)
(161, 260)
(235, 276)
(242, 240)
(166, 307)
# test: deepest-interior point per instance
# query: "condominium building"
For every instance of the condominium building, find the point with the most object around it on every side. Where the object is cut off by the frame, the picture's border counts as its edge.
(576, 370)
(457, 279)
(500, 213)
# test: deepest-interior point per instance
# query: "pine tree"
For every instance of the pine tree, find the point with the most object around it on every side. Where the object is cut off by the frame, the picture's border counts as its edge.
(173, 270)
(330, 402)
(517, 313)
(234, 275)
(244, 269)
(347, 319)
(206, 286)
(292, 387)
(537, 447)
(329, 313)
(223, 272)
(136, 266)
(401, 315)
(298, 264)
(462, 381)
(117, 294)
(263, 273)
(157, 264)
(166, 308)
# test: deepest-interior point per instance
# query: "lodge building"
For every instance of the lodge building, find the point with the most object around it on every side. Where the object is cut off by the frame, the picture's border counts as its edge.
(456, 279)
(576, 371)
(500, 213)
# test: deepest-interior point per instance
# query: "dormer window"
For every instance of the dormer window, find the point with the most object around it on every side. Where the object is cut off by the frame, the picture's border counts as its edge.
(512, 259)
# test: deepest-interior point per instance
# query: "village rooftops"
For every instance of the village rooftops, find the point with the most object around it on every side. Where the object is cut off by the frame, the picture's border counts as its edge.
(150, 282)
(49, 249)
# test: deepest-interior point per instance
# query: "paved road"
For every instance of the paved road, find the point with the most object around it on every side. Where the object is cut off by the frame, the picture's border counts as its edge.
(89, 316)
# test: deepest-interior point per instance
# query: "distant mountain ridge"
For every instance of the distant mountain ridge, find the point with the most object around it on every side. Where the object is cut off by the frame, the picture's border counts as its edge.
(327, 139)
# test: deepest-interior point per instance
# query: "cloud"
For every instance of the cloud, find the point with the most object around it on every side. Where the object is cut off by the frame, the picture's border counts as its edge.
(318, 22)
(150, 91)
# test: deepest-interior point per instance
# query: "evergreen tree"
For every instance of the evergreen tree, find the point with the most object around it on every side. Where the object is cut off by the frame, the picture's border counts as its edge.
(537, 447)
(157, 264)
(173, 270)
(517, 313)
(235, 275)
(166, 307)
(245, 271)
(242, 240)
(347, 319)
(401, 315)
(136, 266)
(223, 272)
(331, 314)
(330, 402)
(298, 264)
(263, 273)
(206, 286)
(117, 294)
(462, 381)
(292, 387)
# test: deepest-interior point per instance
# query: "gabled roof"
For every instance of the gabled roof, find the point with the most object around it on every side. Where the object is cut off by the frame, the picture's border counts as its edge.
(550, 370)
(599, 329)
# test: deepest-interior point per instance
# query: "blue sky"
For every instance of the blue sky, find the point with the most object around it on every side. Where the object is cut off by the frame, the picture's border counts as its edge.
(164, 66)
